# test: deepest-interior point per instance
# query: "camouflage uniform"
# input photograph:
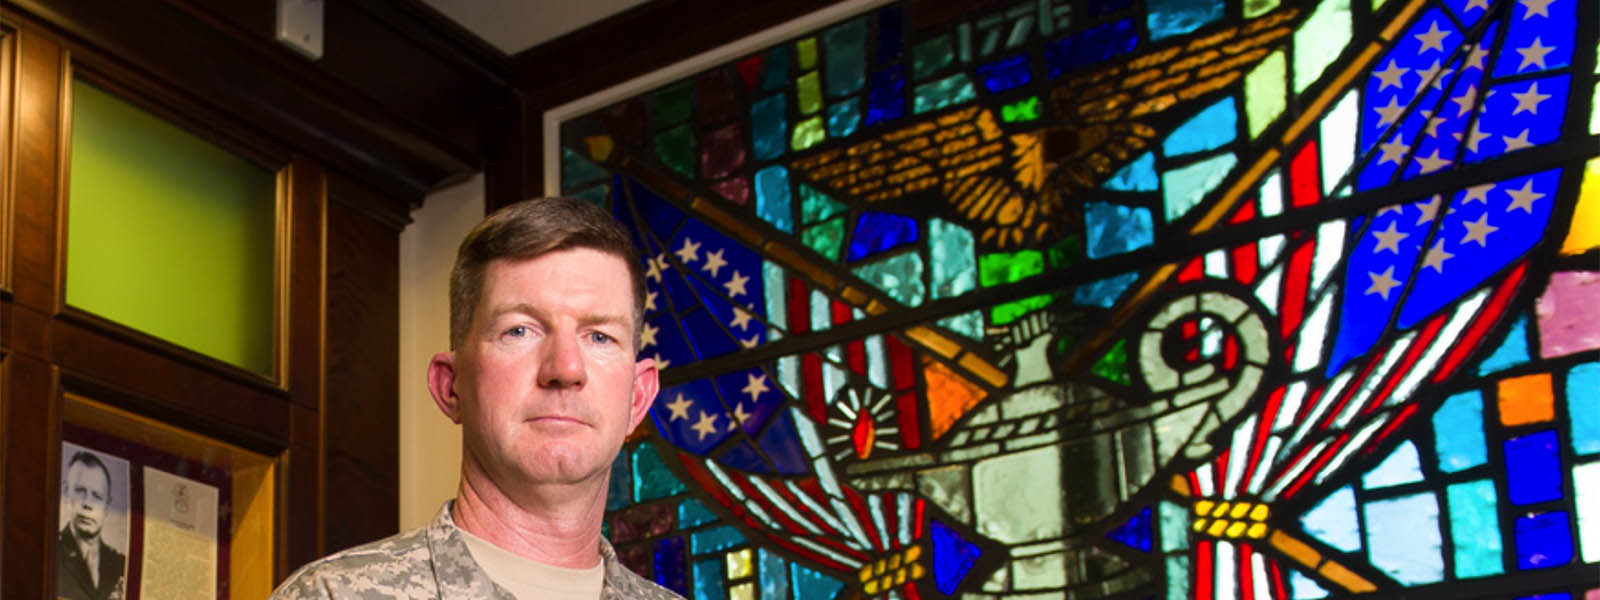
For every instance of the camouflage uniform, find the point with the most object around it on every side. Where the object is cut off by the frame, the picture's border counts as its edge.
(433, 562)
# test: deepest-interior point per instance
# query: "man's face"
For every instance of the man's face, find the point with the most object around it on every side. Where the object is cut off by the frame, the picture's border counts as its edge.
(546, 383)
(88, 491)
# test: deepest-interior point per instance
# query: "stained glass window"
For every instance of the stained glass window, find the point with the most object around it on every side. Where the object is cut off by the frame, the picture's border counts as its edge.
(1175, 299)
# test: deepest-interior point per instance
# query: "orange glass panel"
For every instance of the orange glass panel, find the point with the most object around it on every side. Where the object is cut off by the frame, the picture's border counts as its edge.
(950, 396)
(1526, 399)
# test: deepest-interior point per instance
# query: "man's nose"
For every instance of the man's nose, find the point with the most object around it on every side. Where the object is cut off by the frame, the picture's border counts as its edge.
(562, 363)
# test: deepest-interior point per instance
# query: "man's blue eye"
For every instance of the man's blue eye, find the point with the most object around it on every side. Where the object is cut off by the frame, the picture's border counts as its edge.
(517, 331)
(601, 338)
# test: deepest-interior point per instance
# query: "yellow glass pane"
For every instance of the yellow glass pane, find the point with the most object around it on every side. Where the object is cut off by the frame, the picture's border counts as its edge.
(1585, 232)
(169, 234)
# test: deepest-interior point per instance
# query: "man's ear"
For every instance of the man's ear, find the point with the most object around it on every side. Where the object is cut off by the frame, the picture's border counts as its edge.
(442, 384)
(646, 383)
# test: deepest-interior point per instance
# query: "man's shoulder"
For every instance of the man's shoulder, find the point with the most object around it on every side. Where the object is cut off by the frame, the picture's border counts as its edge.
(623, 583)
(390, 567)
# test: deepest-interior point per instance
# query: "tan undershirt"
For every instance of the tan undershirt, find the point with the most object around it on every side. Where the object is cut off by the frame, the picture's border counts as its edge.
(528, 579)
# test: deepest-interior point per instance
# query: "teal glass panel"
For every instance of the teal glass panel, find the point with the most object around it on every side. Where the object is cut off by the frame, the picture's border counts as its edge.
(1403, 538)
(1103, 292)
(1212, 128)
(651, 478)
(898, 276)
(844, 117)
(808, 90)
(619, 493)
(811, 584)
(1333, 520)
(1512, 352)
(672, 105)
(1401, 467)
(1184, 187)
(675, 148)
(1174, 527)
(969, 324)
(577, 171)
(708, 579)
(932, 56)
(816, 206)
(954, 268)
(768, 126)
(691, 513)
(1458, 433)
(1137, 176)
(596, 195)
(826, 239)
(1475, 528)
(1115, 229)
(1026, 109)
(807, 133)
(844, 51)
(1583, 407)
(714, 539)
(772, 198)
(1167, 18)
(941, 93)
(775, 70)
(774, 573)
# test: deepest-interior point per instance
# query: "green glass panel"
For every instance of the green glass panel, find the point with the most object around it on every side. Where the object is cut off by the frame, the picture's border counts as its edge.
(932, 56)
(1026, 109)
(1005, 267)
(941, 93)
(845, 57)
(1003, 314)
(898, 276)
(953, 269)
(1594, 114)
(671, 105)
(1377, 4)
(809, 88)
(1256, 8)
(1067, 252)
(577, 171)
(168, 233)
(1265, 92)
(675, 147)
(816, 206)
(806, 51)
(1114, 364)
(1319, 41)
(807, 133)
(826, 239)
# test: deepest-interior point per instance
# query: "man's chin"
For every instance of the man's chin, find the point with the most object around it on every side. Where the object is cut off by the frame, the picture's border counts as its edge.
(85, 529)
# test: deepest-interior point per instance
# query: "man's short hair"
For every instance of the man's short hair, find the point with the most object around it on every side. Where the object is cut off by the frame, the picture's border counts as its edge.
(530, 229)
(89, 458)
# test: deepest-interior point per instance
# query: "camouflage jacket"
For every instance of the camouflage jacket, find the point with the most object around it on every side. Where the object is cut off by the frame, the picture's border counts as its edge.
(433, 562)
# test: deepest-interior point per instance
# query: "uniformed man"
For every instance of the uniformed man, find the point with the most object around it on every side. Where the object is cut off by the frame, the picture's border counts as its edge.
(86, 567)
(546, 302)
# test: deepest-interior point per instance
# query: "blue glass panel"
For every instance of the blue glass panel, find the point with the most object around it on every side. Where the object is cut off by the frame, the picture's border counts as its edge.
(1137, 176)
(941, 93)
(890, 23)
(1114, 228)
(1512, 352)
(844, 117)
(1136, 533)
(1333, 520)
(1005, 74)
(691, 513)
(752, 395)
(811, 584)
(1469, 11)
(1103, 292)
(642, 210)
(1541, 37)
(1550, 596)
(1186, 186)
(768, 127)
(775, 70)
(953, 557)
(706, 332)
(1403, 538)
(1305, 588)
(651, 478)
(671, 565)
(577, 171)
(887, 100)
(774, 575)
(1583, 395)
(844, 49)
(714, 539)
(1521, 115)
(620, 492)
(664, 341)
(1100, 7)
(1401, 467)
(1543, 541)
(1167, 18)
(1475, 528)
(772, 198)
(744, 457)
(708, 579)
(1396, 80)
(1210, 129)
(1091, 46)
(781, 443)
(877, 232)
(1533, 468)
(690, 416)
(1458, 433)
(898, 276)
